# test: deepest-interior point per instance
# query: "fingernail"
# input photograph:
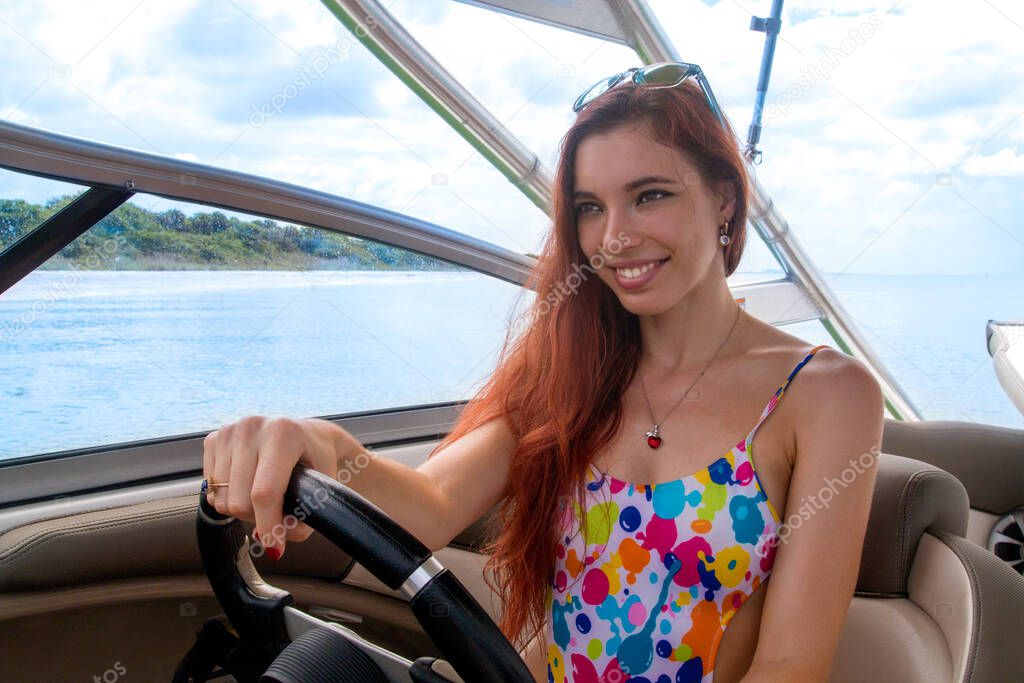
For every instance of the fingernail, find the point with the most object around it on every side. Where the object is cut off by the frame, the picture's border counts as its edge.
(256, 534)
(275, 553)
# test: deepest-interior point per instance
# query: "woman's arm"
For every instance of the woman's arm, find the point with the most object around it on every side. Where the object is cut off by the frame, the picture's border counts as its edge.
(407, 496)
(471, 474)
(838, 436)
(256, 455)
(442, 496)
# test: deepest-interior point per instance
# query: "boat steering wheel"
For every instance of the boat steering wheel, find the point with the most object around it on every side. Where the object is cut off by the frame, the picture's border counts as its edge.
(282, 643)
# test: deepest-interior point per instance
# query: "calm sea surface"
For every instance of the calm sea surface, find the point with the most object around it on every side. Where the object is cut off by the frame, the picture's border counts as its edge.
(93, 358)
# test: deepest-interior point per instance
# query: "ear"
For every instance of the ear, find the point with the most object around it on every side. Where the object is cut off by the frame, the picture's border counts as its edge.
(726, 193)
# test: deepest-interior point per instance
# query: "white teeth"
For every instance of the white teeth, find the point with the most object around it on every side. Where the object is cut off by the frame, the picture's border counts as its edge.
(632, 273)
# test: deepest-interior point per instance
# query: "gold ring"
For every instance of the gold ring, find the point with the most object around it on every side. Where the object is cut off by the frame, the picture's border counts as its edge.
(208, 484)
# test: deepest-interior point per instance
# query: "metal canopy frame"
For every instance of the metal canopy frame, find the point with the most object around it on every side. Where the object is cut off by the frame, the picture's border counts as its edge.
(84, 162)
(636, 26)
(113, 169)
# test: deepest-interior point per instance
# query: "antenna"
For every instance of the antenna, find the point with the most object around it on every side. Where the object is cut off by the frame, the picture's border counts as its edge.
(770, 26)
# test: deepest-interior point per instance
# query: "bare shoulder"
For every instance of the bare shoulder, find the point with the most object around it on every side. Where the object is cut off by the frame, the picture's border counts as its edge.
(839, 401)
(834, 376)
(829, 371)
(832, 393)
(828, 374)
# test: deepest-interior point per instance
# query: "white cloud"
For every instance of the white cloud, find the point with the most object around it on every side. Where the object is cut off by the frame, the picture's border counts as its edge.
(934, 89)
(1005, 162)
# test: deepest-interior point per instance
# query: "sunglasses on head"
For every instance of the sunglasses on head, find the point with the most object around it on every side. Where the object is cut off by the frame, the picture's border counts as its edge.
(660, 75)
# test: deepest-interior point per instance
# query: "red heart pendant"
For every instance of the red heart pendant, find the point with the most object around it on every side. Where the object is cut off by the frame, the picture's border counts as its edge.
(653, 441)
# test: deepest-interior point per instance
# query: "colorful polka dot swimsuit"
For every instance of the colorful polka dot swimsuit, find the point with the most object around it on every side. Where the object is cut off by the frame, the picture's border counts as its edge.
(665, 569)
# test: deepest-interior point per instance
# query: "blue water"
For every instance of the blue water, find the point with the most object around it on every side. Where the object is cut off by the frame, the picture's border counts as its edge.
(94, 358)
(929, 331)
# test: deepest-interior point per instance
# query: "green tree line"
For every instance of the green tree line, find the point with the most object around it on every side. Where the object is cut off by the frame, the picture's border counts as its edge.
(134, 238)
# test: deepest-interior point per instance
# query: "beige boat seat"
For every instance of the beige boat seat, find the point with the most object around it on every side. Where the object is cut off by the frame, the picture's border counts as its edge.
(929, 605)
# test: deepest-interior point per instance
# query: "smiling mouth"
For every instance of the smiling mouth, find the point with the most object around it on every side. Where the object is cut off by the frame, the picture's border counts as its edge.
(638, 271)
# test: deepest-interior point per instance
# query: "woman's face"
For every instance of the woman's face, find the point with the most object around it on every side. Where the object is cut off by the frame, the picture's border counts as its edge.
(645, 207)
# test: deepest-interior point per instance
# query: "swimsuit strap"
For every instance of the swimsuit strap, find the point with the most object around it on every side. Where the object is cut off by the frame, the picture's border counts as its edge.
(777, 396)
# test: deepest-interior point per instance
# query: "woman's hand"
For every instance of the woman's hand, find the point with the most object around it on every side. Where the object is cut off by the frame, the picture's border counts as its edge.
(255, 456)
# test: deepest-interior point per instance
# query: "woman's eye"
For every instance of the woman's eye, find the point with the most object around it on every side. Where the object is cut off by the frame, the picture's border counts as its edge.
(648, 195)
(651, 194)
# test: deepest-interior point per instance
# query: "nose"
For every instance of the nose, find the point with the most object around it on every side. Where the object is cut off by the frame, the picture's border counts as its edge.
(620, 232)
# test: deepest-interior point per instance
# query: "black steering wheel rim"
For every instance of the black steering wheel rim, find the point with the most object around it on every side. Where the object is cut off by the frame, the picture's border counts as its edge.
(463, 632)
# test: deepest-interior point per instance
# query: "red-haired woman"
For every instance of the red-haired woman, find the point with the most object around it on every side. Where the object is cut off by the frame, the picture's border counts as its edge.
(636, 534)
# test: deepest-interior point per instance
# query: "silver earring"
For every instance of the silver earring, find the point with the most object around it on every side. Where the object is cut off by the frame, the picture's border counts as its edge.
(724, 239)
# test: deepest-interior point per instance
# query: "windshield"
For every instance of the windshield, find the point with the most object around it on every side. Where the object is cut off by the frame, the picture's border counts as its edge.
(899, 181)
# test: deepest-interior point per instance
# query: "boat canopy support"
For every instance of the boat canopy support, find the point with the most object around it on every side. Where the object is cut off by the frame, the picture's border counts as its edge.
(60, 157)
(99, 166)
(630, 22)
(58, 231)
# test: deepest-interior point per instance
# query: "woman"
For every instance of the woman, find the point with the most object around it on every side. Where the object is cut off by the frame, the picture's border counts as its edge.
(634, 364)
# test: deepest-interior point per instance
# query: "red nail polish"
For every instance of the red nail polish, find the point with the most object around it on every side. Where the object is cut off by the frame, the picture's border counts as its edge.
(275, 554)
(256, 534)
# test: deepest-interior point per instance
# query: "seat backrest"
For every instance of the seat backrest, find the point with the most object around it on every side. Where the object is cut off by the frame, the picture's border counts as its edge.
(985, 458)
(929, 605)
(910, 497)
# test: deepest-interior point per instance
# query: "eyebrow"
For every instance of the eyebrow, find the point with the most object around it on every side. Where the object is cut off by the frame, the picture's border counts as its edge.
(632, 185)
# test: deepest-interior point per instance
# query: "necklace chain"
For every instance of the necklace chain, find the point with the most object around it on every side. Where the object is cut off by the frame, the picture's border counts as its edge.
(654, 436)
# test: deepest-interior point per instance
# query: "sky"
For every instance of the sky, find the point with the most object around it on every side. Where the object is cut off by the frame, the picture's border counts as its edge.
(893, 137)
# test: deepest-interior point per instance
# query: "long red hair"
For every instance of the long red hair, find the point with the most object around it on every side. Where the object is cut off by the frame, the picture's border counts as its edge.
(562, 371)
